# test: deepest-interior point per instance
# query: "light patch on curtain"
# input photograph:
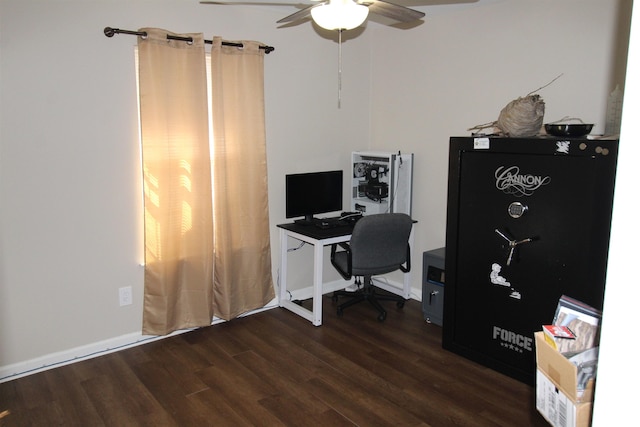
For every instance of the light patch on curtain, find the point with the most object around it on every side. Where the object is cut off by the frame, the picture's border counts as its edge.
(187, 221)
(152, 237)
(185, 182)
(210, 118)
(150, 188)
(151, 229)
(141, 216)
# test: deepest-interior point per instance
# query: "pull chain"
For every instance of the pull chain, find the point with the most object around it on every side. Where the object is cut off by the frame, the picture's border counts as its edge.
(339, 67)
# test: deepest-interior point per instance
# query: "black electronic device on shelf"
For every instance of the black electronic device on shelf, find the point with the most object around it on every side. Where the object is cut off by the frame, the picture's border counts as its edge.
(371, 184)
(350, 217)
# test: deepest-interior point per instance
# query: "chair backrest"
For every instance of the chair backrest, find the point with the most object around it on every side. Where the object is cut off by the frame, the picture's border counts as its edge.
(379, 243)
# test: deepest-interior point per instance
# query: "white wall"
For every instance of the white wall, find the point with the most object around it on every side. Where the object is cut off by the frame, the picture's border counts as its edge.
(70, 226)
(466, 62)
(70, 211)
(616, 387)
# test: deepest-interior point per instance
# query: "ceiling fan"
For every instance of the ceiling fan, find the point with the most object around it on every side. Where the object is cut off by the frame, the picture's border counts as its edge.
(349, 14)
(339, 14)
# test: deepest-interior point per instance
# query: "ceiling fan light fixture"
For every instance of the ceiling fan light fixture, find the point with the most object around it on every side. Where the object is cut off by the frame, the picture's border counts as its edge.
(339, 15)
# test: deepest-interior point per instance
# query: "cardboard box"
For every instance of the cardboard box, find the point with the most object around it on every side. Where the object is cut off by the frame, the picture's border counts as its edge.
(560, 371)
(557, 408)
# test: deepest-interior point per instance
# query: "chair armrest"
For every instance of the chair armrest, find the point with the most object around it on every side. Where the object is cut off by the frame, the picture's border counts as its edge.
(345, 274)
(343, 245)
(407, 267)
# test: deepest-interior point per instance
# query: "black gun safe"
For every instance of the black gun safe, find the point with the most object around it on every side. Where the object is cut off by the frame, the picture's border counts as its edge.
(528, 220)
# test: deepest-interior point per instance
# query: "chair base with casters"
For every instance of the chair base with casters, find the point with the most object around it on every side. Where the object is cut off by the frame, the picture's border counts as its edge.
(367, 292)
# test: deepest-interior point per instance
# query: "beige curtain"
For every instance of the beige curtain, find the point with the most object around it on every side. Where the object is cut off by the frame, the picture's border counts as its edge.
(180, 241)
(242, 279)
(177, 183)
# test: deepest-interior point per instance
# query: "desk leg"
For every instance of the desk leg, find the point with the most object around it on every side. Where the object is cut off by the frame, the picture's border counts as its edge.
(407, 286)
(314, 315)
(318, 264)
(284, 250)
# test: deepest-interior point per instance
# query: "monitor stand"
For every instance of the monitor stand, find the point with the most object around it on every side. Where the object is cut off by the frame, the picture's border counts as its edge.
(307, 220)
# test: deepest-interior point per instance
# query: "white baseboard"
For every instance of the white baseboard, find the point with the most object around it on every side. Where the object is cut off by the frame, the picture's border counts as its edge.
(396, 288)
(381, 282)
(73, 355)
(89, 351)
(306, 293)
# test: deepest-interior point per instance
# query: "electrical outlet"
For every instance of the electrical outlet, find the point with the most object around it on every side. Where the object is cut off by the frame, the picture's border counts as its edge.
(126, 296)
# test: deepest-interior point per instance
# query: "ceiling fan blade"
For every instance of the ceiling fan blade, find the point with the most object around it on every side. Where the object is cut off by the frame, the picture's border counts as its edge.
(251, 2)
(299, 15)
(392, 11)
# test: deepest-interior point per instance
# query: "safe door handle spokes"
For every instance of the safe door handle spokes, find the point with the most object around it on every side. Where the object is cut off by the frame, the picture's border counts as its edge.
(512, 244)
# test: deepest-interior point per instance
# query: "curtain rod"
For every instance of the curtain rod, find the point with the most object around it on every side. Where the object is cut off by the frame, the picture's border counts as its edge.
(110, 32)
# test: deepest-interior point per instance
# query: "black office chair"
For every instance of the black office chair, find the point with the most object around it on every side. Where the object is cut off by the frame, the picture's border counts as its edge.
(379, 244)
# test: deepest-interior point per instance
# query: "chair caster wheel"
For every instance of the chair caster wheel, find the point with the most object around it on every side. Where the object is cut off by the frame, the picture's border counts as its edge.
(400, 304)
(382, 316)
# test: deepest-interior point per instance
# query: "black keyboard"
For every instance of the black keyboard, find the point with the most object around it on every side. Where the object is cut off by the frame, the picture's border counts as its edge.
(329, 222)
(345, 219)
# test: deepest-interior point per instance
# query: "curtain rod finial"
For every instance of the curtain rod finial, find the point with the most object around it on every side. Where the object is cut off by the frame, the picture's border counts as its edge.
(110, 32)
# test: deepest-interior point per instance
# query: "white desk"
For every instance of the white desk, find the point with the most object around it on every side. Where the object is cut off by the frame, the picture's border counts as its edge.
(319, 238)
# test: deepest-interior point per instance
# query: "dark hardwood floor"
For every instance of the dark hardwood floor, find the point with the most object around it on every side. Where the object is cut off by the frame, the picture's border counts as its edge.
(276, 369)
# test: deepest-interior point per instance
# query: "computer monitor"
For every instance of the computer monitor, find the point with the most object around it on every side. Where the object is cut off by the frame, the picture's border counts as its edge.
(309, 194)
